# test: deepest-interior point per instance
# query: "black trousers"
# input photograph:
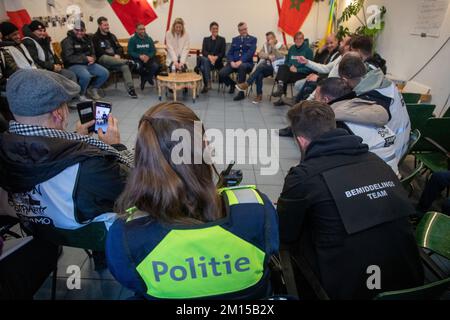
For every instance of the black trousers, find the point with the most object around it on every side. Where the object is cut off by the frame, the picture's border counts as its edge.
(287, 76)
(224, 74)
(433, 188)
(24, 271)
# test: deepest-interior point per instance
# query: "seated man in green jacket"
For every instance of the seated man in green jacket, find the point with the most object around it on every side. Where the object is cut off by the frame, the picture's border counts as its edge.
(142, 49)
(293, 70)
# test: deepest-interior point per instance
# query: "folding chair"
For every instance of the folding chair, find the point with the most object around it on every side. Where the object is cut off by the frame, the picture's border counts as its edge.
(409, 97)
(433, 234)
(419, 114)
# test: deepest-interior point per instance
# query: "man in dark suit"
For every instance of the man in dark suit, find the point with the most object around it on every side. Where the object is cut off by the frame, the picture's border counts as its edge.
(213, 52)
(240, 59)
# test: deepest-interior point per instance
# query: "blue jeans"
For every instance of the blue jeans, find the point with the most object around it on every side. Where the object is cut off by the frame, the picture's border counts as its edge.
(262, 71)
(85, 73)
(224, 74)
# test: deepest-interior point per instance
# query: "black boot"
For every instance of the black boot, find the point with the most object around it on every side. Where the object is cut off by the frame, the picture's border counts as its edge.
(239, 96)
(143, 80)
(285, 132)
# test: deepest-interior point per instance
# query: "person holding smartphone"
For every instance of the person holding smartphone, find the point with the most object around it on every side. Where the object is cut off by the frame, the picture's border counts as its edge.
(86, 174)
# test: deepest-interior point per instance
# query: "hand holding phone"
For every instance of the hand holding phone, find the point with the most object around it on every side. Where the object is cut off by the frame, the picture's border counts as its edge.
(102, 111)
(86, 114)
(112, 136)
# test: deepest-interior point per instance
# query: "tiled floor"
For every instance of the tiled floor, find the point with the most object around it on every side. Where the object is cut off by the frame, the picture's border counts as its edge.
(216, 110)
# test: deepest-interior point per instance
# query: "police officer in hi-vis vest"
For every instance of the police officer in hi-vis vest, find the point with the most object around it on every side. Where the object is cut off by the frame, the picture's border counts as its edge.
(344, 214)
(178, 237)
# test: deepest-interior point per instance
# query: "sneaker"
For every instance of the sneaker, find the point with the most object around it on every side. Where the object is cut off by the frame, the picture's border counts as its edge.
(278, 103)
(83, 98)
(257, 99)
(132, 93)
(242, 86)
(231, 91)
(285, 132)
(239, 96)
(288, 101)
(93, 93)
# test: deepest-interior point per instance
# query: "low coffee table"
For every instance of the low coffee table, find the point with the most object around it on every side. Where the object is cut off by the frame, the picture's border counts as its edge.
(178, 81)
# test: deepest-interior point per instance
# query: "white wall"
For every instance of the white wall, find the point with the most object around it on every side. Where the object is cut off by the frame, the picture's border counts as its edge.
(406, 53)
(260, 15)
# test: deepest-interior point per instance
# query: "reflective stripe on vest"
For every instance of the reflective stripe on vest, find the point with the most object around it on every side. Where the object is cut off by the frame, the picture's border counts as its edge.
(242, 194)
(192, 263)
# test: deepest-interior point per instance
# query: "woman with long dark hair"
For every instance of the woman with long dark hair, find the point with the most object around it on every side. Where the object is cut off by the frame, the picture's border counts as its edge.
(177, 236)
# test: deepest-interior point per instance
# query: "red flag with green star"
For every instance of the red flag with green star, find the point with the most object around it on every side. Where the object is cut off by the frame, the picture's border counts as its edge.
(131, 12)
(292, 15)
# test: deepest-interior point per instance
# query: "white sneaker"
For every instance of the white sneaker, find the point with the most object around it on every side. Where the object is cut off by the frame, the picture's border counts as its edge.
(93, 93)
(83, 98)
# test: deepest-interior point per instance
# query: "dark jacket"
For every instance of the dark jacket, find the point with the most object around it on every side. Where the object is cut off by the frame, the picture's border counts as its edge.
(26, 161)
(75, 51)
(138, 46)
(106, 44)
(325, 56)
(340, 231)
(50, 58)
(214, 47)
(295, 52)
(7, 64)
(242, 49)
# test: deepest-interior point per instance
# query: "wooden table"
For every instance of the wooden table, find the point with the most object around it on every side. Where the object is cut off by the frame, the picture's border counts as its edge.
(178, 81)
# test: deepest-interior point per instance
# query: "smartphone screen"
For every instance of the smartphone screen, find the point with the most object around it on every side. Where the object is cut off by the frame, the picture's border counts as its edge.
(102, 110)
(86, 113)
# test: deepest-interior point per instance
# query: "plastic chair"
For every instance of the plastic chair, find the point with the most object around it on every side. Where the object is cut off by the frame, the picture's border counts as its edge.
(414, 137)
(433, 234)
(429, 291)
(409, 97)
(433, 149)
(407, 181)
(447, 113)
(419, 114)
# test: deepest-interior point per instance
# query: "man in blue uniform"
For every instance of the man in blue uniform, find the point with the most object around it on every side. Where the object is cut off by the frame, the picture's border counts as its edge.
(240, 59)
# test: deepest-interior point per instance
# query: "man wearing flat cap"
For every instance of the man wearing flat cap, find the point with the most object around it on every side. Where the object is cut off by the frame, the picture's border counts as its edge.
(55, 179)
(39, 47)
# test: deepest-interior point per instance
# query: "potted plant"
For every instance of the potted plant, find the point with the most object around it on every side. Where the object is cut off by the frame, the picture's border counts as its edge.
(366, 26)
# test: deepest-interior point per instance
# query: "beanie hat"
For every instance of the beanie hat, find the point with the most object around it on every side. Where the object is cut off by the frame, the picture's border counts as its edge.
(6, 28)
(36, 25)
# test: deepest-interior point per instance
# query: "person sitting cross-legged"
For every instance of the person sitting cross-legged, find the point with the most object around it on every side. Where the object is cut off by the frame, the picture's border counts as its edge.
(142, 49)
(109, 54)
(239, 59)
(270, 55)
